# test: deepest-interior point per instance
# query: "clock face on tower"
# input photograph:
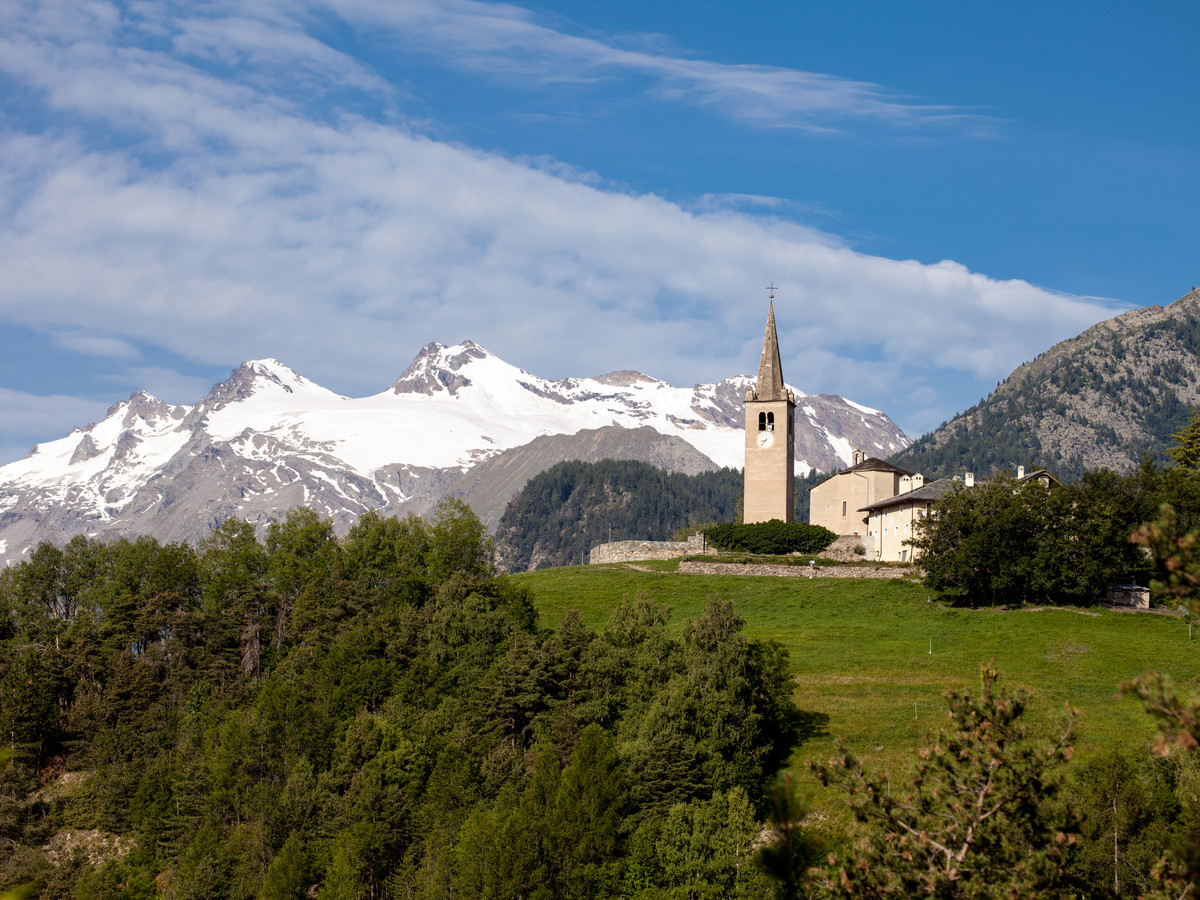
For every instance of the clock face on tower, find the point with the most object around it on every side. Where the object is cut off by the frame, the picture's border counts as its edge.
(765, 439)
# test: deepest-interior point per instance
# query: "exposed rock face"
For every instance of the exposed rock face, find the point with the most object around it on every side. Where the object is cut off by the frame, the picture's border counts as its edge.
(434, 370)
(1099, 400)
(458, 421)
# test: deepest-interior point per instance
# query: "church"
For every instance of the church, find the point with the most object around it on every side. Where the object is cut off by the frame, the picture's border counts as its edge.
(769, 483)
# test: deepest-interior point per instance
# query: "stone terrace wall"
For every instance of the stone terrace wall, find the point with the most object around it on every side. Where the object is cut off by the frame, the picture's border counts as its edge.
(719, 568)
(628, 551)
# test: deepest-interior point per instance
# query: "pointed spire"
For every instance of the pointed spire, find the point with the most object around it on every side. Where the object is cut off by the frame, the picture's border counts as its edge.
(770, 373)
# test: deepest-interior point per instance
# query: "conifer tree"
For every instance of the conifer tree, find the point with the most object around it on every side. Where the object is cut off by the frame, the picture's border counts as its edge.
(971, 823)
(1186, 452)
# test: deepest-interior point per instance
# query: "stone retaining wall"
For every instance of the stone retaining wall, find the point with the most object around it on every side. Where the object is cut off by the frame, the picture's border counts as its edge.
(632, 551)
(691, 567)
(629, 551)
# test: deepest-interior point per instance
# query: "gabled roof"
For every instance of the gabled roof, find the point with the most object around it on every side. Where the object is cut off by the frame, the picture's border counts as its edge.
(927, 493)
(869, 465)
(1040, 473)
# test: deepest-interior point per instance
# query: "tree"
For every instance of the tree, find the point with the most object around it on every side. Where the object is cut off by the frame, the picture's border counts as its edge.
(788, 851)
(304, 561)
(458, 543)
(386, 558)
(1008, 542)
(728, 707)
(1186, 452)
(1176, 559)
(1127, 810)
(287, 875)
(587, 812)
(977, 547)
(972, 822)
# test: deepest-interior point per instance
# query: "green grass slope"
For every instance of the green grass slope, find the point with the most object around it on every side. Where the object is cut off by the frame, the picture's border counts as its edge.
(860, 652)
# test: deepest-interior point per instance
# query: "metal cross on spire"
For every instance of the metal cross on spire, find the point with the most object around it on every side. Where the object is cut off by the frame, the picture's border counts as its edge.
(771, 291)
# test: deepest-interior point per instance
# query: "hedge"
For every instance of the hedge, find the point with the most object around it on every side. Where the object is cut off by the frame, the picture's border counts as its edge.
(770, 537)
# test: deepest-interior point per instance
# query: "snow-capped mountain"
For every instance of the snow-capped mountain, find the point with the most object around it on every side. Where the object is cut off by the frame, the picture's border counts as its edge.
(268, 439)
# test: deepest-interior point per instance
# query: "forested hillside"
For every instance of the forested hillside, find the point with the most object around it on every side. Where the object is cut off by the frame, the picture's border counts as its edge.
(1099, 400)
(377, 716)
(566, 510)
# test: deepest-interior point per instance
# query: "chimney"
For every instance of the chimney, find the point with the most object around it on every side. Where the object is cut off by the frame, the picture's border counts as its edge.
(918, 480)
(905, 484)
(1020, 472)
(969, 480)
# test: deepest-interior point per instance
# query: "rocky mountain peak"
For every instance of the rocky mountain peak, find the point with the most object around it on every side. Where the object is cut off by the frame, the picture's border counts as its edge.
(251, 377)
(439, 368)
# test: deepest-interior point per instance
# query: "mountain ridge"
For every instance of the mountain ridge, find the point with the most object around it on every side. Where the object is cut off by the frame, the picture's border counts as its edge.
(267, 439)
(1101, 399)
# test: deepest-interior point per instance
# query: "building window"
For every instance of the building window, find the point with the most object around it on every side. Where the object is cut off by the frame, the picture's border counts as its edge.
(770, 421)
(843, 509)
(762, 421)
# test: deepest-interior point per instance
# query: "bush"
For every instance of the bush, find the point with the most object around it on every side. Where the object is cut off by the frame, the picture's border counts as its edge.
(770, 537)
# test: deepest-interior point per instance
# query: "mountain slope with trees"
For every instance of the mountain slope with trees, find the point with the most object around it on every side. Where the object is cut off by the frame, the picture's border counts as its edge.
(566, 510)
(1099, 400)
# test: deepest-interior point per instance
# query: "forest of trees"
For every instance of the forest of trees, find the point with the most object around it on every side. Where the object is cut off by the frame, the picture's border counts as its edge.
(376, 716)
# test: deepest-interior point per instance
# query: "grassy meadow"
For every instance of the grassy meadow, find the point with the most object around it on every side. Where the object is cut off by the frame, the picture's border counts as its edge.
(860, 652)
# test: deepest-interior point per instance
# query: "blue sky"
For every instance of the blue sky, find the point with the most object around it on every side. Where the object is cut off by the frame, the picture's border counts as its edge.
(940, 190)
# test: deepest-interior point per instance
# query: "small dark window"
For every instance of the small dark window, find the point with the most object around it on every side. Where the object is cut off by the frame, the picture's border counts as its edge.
(843, 507)
(770, 421)
(762, 421)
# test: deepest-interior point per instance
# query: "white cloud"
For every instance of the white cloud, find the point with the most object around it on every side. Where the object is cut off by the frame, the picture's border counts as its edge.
(54, 415)
(229, 224)
(95, 344)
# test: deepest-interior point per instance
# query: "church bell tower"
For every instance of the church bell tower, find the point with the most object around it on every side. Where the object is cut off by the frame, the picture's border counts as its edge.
(769, 487)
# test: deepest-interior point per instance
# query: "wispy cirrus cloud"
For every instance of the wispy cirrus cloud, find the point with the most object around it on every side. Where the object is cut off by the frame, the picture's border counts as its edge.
(510, 42)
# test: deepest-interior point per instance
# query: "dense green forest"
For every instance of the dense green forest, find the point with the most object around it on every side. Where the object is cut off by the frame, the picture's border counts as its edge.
(376, 716)
(571, 507)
